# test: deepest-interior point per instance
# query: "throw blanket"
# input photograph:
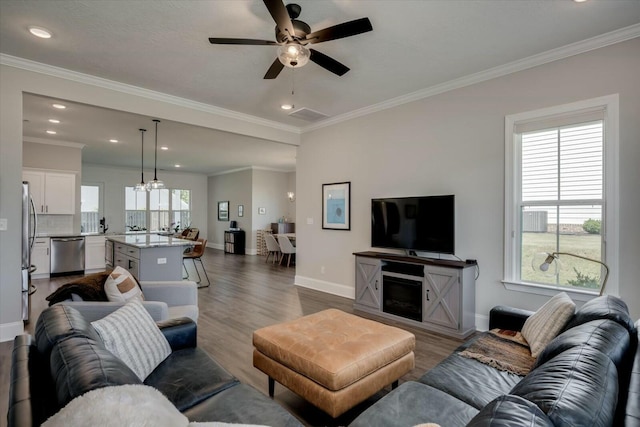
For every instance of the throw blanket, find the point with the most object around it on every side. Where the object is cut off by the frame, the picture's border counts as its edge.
(502, 350)
(125, 405)
(89, 288)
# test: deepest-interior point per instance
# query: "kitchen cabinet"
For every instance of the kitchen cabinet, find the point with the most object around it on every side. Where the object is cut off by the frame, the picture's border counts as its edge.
(94, 253)
(53, 193)
(41, 257)
(150, 257)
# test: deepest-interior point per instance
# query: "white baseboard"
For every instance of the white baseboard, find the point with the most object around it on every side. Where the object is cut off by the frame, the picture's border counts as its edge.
(482, 322)
(220, 246)
(323, 286)
(8, 331)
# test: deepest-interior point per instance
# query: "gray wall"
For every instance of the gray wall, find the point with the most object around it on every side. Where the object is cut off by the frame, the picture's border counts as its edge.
(453, 143)
(234, 188)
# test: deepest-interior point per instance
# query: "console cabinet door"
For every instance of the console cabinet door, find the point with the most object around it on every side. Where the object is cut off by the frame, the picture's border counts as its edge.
(368, 283)
(441, 296)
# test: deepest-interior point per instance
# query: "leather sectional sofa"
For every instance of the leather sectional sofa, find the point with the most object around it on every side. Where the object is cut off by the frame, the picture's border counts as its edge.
(67, 358)
(589, 375)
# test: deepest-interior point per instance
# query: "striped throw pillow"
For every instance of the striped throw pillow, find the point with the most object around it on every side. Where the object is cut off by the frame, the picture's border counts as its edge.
(132, 336)
(543, 325)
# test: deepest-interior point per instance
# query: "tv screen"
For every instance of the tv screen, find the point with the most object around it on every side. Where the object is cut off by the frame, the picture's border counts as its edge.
(414, 223)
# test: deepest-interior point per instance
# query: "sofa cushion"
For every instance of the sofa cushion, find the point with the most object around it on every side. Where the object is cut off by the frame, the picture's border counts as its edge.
(576, 388)
(470, 381)
(189, 376)
(58, 322)
(509, 410)
(604, 335)
(80, 364)
(604, 307)
(131, 334)
(121, 286)
(414, 403)
(242, 404)
(543, 325)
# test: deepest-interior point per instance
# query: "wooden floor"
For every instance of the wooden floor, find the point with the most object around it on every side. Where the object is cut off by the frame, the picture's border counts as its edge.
(246, 294)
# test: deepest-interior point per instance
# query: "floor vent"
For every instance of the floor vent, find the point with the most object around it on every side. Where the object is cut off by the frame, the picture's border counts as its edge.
(308, 115)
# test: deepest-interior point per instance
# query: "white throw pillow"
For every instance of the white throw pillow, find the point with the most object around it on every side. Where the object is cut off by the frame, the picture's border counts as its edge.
(117, 406)
(131, 335)
(543, 325)
(121, 286)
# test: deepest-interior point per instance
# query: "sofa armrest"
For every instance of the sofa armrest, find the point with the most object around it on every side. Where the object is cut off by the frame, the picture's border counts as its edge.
(181, 333)
(503, 317)
(182, 292)
(94, 310)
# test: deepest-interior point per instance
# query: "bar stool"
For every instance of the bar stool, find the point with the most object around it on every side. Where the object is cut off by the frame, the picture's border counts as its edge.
(196, 254)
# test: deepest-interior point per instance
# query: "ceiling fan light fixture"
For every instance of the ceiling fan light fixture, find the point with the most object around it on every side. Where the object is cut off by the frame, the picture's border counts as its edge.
(294, 55)
(286, 106)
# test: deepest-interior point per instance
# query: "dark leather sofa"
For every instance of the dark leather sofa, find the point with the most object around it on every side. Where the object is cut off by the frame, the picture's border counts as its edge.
(589, 375)
(67, 358)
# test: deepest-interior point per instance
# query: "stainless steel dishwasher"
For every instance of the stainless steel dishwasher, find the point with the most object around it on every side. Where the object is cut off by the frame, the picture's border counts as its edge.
(67, 255)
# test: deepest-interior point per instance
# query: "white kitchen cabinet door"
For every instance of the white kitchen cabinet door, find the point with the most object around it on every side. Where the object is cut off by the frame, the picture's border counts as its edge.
(36, 188)
(41, 257)
(94, 251)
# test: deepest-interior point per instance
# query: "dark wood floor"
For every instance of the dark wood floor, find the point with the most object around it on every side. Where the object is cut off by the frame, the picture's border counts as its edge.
(246, 294)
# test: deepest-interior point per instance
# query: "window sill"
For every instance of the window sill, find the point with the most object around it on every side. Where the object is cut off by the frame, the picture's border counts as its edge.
(537, 289)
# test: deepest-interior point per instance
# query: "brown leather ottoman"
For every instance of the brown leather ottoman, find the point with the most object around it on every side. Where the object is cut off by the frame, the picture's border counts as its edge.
(333, 359)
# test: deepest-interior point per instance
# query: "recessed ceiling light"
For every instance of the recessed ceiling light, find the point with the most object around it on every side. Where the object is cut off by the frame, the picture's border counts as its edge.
(59, 106)
(43, 33)
(286, 106)
(177, 166)
(56, 121)
(579, 1)
(115, 141)
(51, 132)
(164, 148)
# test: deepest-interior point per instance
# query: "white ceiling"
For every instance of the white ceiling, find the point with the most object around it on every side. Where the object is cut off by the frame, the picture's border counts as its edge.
(162, 46)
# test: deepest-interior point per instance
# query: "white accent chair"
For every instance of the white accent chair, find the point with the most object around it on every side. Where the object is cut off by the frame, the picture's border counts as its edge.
(273, 248)
(286, 248)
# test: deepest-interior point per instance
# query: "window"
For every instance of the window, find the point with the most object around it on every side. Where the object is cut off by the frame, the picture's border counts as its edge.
(168, 209)
(561, 196)
(90, 208)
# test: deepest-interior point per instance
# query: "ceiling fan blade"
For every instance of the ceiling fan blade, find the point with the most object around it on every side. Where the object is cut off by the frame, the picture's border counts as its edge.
(279, 14)
(328, 63)
(215, 40)
(346, 29)
(274, 70)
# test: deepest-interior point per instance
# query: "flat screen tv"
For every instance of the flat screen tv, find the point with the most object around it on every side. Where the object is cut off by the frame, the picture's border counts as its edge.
(414, 223)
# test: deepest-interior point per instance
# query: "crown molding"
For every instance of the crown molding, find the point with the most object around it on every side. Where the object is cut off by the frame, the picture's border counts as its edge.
(50, 70)
(567, 51)
(54, 142)
(261, 168)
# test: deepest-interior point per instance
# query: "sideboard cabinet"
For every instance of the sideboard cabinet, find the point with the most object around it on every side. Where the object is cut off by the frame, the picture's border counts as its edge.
(437, 295)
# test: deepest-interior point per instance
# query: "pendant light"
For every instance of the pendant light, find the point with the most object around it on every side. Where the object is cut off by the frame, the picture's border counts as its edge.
(141, 186)
(156, 183)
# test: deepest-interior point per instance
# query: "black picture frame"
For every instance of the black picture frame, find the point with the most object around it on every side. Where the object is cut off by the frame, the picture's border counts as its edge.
(336, 206)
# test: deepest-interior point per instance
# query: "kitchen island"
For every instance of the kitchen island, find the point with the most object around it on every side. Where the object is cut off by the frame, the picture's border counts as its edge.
(149, 257)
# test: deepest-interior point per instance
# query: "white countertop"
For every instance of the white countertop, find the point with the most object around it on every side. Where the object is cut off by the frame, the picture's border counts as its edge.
(149, 240)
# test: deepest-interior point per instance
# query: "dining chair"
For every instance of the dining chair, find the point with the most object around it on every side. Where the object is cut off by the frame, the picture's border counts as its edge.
(273, 248)
(196, 254)
(286, 248)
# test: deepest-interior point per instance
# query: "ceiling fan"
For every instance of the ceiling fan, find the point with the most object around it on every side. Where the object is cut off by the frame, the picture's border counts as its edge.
(293, 36)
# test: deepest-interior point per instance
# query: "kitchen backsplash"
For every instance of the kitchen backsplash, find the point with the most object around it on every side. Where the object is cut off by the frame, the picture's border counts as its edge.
(52, 224)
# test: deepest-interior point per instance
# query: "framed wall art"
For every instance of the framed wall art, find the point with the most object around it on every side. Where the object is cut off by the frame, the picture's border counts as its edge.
(223, 211)
(336, 206)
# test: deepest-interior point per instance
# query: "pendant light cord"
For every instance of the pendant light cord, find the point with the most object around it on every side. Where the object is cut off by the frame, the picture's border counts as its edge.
(142, 131)
(155, 162)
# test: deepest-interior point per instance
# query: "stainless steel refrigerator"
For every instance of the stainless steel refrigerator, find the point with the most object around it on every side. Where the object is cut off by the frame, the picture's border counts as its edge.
(29, 230)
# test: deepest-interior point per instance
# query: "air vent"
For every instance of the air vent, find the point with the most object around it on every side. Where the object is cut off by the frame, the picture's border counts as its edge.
(308, 115)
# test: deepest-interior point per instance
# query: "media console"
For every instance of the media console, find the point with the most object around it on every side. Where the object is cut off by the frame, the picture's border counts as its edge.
(433, 294)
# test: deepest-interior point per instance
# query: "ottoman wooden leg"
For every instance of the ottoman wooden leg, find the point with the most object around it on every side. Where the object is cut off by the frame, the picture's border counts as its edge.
(394, 385)
(272, 386)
